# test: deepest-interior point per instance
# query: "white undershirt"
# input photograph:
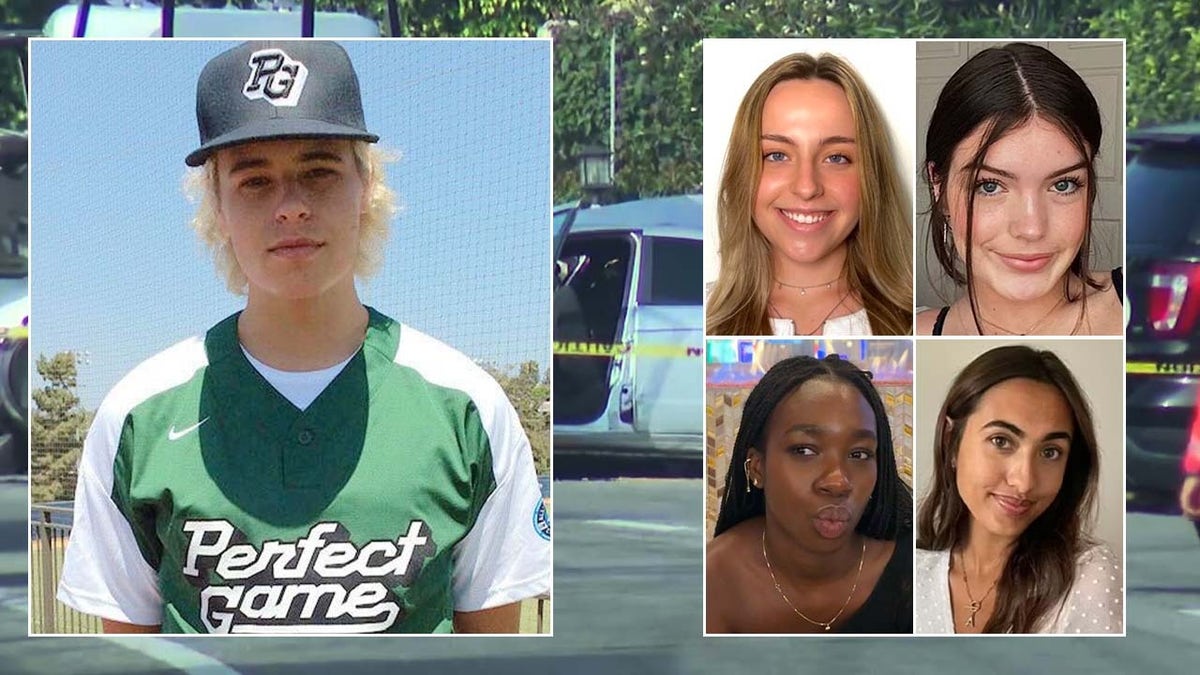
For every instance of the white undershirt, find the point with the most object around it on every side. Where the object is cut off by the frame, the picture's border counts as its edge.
(855, 324)
(299, 387)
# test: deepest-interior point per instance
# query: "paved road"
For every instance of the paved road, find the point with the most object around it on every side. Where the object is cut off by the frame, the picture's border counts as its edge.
(1163, 579)
(627, 599)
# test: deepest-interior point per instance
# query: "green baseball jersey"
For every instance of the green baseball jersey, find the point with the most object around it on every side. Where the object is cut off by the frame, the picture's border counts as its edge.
(208, 502)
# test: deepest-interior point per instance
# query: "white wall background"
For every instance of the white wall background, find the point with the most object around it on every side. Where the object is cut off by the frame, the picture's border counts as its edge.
(732, 65)
(1098, 366)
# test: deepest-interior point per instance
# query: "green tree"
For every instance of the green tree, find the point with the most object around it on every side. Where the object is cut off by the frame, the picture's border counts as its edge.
(529, 389)
(658, 59)
(1162, 57)
(13, 112)
(57, 427)
(475, 18)
(18, 15)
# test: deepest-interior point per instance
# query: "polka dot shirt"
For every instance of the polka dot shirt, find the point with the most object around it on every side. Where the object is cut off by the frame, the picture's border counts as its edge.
(1093, 605)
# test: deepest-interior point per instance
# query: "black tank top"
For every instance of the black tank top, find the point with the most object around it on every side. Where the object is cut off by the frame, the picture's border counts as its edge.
(1118, 285)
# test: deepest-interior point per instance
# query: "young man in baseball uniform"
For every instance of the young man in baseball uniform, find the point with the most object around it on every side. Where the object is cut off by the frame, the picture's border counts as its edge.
(308, 465)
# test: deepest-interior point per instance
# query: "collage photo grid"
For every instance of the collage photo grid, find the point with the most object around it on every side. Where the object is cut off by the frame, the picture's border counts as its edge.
(865, 484)
(899, 485)
(869, 375)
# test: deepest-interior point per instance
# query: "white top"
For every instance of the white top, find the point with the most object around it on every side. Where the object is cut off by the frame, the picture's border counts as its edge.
(299, 387)
(851, 325)
(1093, 605)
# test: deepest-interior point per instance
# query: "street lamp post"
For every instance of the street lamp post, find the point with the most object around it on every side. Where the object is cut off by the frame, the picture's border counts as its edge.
(595, 172)
(596, 183)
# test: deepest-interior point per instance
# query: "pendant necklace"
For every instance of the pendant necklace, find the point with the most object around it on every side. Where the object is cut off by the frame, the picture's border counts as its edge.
(817, 329)
(823, 624)
(974, 605)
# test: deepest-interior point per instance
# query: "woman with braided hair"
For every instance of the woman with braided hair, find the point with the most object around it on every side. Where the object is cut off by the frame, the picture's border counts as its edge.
(814, 532)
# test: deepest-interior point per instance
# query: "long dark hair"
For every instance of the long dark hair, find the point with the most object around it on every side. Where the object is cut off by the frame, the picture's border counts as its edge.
(1003, 88)
(1041, 569)
(890, 507)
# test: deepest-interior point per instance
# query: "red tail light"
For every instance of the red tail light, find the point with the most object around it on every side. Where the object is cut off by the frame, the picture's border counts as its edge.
(1174, 302)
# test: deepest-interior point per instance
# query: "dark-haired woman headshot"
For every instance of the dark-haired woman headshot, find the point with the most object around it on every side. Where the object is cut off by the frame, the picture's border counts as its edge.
(1003, 533)
(813, 534)
(1010, 163)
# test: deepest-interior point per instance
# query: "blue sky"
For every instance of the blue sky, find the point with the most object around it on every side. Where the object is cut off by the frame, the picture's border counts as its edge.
(117, 272)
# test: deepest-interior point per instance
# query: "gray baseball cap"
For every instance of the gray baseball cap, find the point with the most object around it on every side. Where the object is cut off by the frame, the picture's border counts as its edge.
(277, 89)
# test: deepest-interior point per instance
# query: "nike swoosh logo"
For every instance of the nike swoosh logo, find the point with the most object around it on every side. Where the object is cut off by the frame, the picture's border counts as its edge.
(173, 435)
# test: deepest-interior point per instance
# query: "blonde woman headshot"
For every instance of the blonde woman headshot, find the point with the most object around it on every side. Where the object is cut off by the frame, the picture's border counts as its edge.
(1010, 164)
(813, 218)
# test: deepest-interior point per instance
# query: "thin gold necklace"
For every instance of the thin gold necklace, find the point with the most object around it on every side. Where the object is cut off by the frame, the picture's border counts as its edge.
(975, 605)
(804, 289)
(1036, 324)
(823, 624)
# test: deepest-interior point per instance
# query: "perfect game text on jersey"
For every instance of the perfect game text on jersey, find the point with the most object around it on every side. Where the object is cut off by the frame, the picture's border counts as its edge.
(403, 493)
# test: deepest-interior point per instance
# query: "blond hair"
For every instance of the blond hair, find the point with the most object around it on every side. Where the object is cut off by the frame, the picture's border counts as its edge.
(879, 250)
(200, 184)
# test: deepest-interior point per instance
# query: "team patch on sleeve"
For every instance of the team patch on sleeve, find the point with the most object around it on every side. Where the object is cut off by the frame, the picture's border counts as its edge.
(541, 520)
(319, 583)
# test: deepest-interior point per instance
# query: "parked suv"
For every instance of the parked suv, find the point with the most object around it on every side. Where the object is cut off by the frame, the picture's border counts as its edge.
(629, 330)
(1163, 296)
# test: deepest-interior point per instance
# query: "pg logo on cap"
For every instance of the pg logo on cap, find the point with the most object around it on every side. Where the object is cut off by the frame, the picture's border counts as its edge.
(275, 77)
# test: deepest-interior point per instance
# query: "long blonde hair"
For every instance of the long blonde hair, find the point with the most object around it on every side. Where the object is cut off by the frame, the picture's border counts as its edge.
(879, 249)
(201, 186)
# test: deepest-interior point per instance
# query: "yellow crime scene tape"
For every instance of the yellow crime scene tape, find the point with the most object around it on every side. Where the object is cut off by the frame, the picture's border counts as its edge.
(611, 350)
(1153, 368)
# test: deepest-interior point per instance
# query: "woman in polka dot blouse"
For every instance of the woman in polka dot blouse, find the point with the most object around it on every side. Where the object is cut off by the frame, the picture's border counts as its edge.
(1001, 539)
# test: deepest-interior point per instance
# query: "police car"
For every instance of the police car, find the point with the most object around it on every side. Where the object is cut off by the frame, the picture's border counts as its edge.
(1162, 347)
(1162, 278)
(629, 330)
